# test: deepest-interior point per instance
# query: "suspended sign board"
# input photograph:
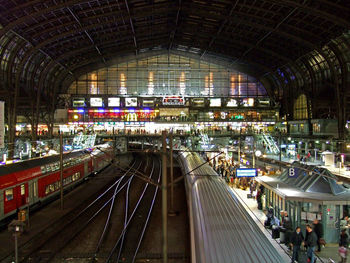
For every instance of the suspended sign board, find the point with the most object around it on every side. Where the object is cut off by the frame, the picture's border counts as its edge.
(173, 100)
(246, 172)
(232, 103)
(96, 102)
(216, 102)
(113, 102)
(79, 102)
(130, 102)
(293, 172)
(2, 124)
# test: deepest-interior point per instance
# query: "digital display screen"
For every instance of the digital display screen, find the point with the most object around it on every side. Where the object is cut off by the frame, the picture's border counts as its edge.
(265, 102)
(232, 103)
(248, 102)
(148, 103)
(173, 100)
(197, 102)
(113, 102)
(246, 172)
(130, 102)
(96, 102)
(215, 102)
(78, 102)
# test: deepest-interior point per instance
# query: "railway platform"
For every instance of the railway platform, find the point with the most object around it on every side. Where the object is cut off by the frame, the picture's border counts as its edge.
(330, 251)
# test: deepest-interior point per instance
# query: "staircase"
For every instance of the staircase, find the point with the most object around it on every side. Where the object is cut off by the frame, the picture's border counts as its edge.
(270, 143)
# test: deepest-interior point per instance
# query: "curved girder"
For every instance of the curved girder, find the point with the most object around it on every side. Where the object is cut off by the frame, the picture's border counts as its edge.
(262, 34)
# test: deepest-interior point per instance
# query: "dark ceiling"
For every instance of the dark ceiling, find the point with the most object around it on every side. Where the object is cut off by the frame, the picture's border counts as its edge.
(263, 34)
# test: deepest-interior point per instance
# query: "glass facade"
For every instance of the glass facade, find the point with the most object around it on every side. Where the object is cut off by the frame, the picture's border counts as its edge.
(168, 75)
(300, 108)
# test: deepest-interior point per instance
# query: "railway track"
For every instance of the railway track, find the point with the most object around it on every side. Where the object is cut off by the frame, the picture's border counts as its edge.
(38, 240)
(129, 241)
(51, 243)
(108, 228)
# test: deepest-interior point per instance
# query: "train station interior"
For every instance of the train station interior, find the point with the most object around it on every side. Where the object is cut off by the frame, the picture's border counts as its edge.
(202, 131)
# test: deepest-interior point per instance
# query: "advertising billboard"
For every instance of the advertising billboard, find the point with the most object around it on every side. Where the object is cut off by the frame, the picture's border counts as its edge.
(79, 102)
(232, 103)
(96, 102)
(113, 102)
(130, 102)
(215, 102)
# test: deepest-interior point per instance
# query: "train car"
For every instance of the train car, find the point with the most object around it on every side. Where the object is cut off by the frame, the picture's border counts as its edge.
(221, 229)
(37, 180)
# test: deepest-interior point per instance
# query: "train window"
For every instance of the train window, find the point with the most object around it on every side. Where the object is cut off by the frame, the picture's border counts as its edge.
(43, 169)
(23, 189)
(48, 168)
(76, 176)
(8, 194)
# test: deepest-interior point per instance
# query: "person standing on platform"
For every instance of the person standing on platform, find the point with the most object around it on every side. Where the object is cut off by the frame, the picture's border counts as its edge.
(287, 227)
(296, 240)
(319, 233)
(311, 243)
(343, 246)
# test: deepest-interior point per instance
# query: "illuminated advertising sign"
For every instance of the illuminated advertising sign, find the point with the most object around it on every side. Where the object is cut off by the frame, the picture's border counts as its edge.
(215, 102)
(148, 103)
(96, 102)
(249, 102)
(246, 172)
(197, 102)
(264, 102)
(79, 102)
(130, 102)
(173, 100)
(113, 102)
(232, 103)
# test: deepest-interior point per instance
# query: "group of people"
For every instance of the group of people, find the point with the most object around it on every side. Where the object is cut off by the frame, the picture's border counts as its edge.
(312, 239)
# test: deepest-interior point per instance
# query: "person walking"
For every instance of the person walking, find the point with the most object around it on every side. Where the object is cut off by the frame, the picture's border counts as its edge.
(311, 243)
(343, 246)
(296, 240)
(319, 233)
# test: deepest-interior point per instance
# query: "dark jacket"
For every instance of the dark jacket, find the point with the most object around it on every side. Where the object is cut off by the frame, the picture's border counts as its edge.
(343, 242)
(296, 238)
(311, 239)
(287, 224)
(318, 230)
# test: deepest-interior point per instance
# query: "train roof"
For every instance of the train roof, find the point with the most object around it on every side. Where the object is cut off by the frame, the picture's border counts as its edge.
(28, 164)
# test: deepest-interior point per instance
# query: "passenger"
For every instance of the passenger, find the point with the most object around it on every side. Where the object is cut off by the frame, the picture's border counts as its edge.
(319, 233)
(269, 216)
(343, 245)
(311, 243)
(287, 227)
(296, 240)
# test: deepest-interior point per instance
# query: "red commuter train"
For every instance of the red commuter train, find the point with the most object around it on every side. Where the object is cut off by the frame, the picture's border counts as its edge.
(36, 180)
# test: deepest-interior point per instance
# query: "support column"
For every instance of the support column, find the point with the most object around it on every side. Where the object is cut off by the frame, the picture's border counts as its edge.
(61, 168)
(164, 200)
(171, 211)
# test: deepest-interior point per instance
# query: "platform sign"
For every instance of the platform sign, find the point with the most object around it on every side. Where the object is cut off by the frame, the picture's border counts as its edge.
(246, 172)
(293, 172)
(2, 124)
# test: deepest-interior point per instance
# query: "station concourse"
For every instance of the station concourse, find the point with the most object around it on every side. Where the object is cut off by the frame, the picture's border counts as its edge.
(196, 122)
